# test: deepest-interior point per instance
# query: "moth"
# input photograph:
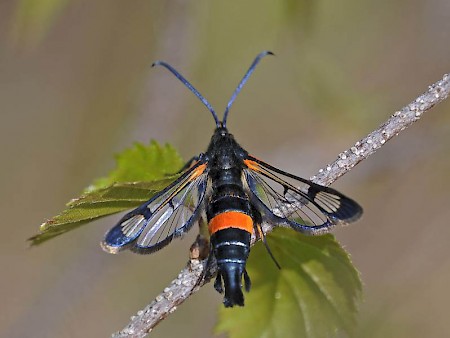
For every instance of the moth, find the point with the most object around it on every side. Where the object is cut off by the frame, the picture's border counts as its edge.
(235, 192)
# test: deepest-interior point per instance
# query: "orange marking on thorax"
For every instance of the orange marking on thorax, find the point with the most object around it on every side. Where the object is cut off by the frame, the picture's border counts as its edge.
(198, 171)
(252, 165)
(231, 219)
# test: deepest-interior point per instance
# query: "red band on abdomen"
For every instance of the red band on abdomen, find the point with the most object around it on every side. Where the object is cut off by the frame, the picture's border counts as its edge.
(231, 219)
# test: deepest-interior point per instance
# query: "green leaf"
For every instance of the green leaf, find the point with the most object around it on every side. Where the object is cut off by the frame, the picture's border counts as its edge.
(315, 294)
(114, 193)
(142, 163)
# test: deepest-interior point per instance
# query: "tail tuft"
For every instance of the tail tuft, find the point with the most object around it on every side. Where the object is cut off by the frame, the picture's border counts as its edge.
(232, 274)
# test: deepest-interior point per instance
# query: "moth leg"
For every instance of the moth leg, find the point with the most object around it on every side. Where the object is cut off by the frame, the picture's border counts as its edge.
(247, 282)
(218, 283)
(205, 275)
(259, 231)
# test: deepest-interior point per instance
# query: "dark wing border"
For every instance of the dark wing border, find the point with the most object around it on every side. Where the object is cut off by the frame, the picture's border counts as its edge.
(125, 234)
(313, 198)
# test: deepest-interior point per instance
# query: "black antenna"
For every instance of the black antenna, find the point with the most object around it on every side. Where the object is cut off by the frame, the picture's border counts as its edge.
(190, 87)
(242, 83)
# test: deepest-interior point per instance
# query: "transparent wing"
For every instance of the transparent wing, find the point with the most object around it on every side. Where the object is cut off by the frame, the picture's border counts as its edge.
(167, 215)
(285, 199)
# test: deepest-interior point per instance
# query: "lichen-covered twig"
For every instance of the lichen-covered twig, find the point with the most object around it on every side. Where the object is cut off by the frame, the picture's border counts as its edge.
(186, 282)
(398, 122)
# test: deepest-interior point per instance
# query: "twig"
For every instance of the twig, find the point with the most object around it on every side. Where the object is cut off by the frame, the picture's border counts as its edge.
(185, 284)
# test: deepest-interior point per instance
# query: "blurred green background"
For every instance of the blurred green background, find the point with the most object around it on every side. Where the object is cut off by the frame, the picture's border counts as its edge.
(76, 87)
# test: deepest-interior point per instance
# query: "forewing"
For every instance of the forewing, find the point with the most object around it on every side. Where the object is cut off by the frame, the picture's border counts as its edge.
(168, 214)
(283, 198)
